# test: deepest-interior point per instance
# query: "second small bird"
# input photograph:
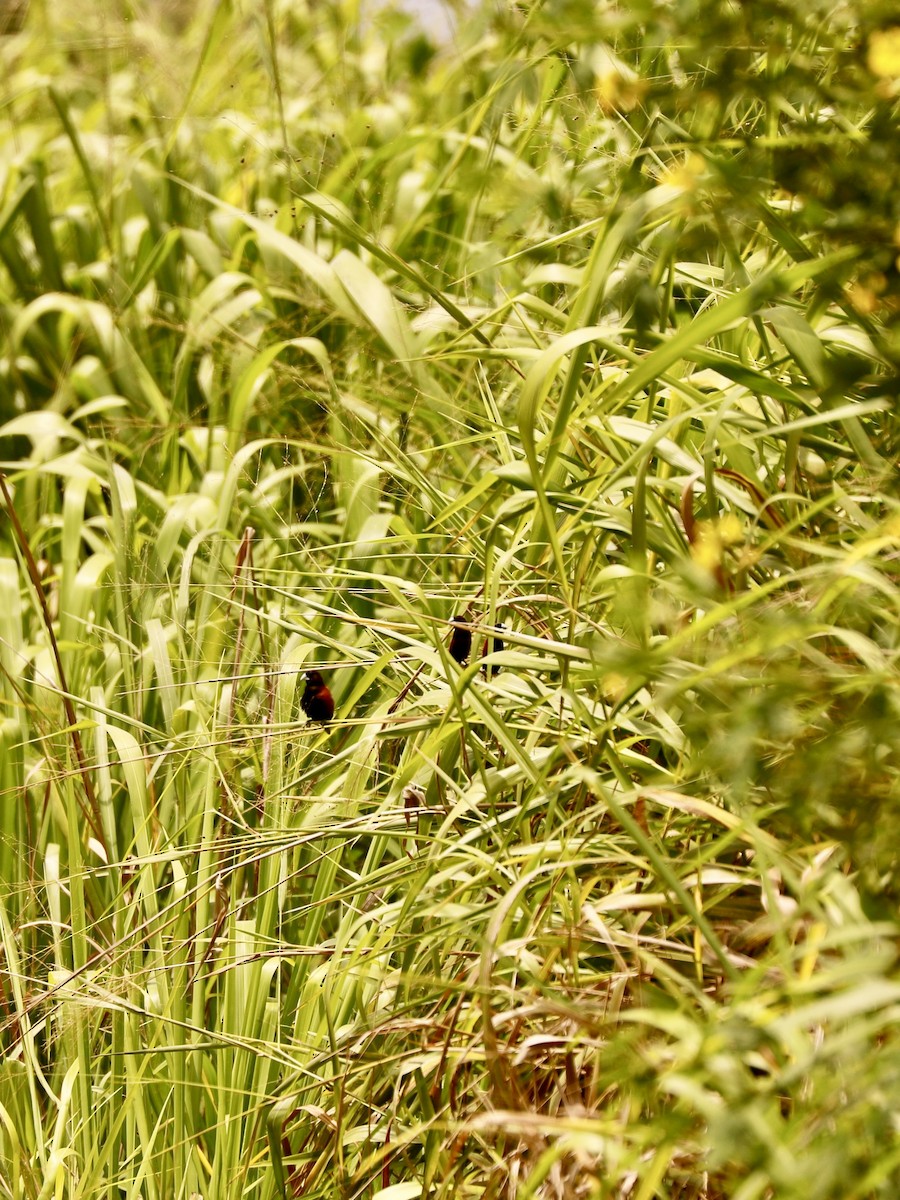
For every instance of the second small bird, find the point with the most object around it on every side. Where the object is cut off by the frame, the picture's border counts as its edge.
(493, 645)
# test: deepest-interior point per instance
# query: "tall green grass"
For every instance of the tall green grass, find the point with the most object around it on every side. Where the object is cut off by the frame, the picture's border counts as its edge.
(317, 335)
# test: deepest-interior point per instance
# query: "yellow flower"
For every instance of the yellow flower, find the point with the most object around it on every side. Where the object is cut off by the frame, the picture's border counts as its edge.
(686, 176)
(863, 299)
(714, 538)
(616, 85)
(884, 53)
(731, 530)
(614, 686)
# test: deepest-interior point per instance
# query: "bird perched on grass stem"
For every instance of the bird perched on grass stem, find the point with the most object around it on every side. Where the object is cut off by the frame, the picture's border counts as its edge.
(493, 644)
(317, 701)
(460, 641)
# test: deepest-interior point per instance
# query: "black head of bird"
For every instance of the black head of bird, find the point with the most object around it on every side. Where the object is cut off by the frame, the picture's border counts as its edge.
(317, 701)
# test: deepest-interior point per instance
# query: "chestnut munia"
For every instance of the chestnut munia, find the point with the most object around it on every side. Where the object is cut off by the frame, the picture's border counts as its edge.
(460, 641)
(493, 644)
(317, 701)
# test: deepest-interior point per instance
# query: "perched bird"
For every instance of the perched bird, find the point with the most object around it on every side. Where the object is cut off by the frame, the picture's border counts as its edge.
(461, 641)
(317, 701)
(492, 645)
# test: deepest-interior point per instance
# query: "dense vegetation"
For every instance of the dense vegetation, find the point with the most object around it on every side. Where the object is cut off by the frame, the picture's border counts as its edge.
(316, 335)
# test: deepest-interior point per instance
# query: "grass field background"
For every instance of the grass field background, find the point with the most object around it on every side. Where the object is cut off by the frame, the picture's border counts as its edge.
(316, 335)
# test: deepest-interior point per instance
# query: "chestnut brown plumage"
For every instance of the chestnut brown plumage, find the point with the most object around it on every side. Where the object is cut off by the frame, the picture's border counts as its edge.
(317, 701)
(461, 641)
(493, 645)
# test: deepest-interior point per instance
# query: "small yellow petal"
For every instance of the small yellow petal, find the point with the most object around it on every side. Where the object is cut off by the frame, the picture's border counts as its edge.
(863, 299)
(614, 686)
(706, 551)
(731, 530)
